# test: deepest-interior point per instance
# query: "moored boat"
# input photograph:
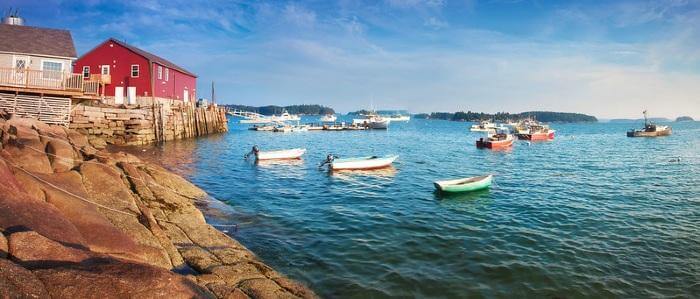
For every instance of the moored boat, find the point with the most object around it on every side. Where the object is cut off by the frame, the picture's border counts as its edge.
(372, 121)
(483, 126)
(360, 163)
(294, 153)
(650, 129)
(501, 139)
(465, 184)
(328, 118)
(536, 132)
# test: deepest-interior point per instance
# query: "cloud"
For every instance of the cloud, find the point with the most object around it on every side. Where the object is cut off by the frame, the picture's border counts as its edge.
(299, 15)
(435, 23)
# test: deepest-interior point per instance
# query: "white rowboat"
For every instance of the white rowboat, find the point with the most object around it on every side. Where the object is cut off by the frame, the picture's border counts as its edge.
(363, 163)
(295, 153)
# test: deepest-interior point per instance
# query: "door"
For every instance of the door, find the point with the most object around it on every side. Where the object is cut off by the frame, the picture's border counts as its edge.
(186, 95)
(131, 95)
(118, 95)
(20, 65)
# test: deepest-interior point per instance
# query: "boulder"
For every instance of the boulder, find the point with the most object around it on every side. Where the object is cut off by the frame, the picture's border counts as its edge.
(29, 155)
(3, 246)
(31, 249)
(18, 282)
(110, 278)
(175, 182)
(97, 142)
(61, 155)
(21, 212)
(263, 289)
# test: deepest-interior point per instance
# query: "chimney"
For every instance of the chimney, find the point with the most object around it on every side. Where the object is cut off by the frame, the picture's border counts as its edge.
(13, 18)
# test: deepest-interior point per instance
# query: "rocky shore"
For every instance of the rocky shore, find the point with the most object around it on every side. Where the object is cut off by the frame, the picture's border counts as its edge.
(81, 222)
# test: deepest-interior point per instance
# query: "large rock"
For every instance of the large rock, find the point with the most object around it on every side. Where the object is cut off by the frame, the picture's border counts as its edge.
(61, 155)
(31, 249)
(116, 279)
(18, 282)
(21, 212)
(3, 246)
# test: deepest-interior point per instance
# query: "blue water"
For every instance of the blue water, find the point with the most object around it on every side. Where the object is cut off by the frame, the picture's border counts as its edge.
(591, 214)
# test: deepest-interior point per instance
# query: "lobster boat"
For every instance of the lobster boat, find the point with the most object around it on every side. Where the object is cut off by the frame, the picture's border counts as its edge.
(496, 141)
(465, 184)
(537, 132)
(360, 163)
(650, 129)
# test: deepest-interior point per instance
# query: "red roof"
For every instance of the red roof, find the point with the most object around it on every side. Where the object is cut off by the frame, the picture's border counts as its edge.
(152, 57)
(36, 40)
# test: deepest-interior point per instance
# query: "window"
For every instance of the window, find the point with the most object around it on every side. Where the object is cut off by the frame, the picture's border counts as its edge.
(160, 72)
(51, 70)
(86, 72)
(105, 70)
(167, 74)
(134, 71)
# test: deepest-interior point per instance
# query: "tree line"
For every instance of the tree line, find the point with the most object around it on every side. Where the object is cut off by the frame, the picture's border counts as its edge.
(544, 116)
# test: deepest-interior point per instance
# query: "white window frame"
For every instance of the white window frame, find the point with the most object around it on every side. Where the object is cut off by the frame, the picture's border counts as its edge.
(103, 68)
(43, 74)
(138, 70)
(167, 74)
(86, 72)
(160, 72)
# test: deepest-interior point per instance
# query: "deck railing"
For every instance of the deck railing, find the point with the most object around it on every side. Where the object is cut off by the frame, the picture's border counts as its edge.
(47, 80)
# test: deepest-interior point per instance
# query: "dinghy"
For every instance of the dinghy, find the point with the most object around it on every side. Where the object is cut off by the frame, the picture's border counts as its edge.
(295, 153)
(465, 185)
(361, 163)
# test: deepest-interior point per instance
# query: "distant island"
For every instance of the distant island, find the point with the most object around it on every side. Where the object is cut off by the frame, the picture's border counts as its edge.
(544, 116)
(684, 118)
(629, 120)
(293, 109)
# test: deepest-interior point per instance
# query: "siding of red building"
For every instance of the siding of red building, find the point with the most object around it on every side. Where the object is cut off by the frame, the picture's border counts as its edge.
(120, 59)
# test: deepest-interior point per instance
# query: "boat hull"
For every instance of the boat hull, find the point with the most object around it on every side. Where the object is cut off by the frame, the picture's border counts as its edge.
(494, 144)
(365, 163)
(281, 155)
(638, 133)
(537, 136)
(456, 186)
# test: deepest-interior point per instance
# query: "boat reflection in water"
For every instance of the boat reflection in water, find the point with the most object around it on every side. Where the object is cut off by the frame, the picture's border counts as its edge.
(386, 172)
(279, 162)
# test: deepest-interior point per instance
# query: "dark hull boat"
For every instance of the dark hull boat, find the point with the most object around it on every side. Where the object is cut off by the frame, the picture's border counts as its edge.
(650, 129)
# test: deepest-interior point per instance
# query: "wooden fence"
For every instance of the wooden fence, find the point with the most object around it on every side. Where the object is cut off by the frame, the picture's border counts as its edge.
(51, 110)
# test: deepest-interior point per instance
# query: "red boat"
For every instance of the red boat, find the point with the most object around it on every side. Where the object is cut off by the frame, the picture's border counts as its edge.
(537, 132)
(496, 141)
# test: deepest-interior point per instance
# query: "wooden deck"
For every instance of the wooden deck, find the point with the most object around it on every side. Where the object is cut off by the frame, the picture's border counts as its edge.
(47, 82)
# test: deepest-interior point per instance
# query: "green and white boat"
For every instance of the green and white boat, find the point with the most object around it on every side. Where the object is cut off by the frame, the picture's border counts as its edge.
(465, 184)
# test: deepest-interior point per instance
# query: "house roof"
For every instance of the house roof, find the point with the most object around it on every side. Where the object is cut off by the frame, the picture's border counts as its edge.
(152, 57)
(35, 40)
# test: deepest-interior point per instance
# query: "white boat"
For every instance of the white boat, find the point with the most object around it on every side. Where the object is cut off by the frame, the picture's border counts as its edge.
(372, 121)
(290, 128)
(329, 118)
(398, 117)
(362, 163)
(285, 116)
(295, 153)
(484, 126)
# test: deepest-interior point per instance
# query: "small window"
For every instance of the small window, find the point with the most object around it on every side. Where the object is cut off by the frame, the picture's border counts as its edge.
(167, 74)
(86, 72)
(160, 72)
(105, 70)
(51, 70)
(134, 71)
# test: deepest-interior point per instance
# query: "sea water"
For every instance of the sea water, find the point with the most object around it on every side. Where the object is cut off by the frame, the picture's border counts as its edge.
(592, 213)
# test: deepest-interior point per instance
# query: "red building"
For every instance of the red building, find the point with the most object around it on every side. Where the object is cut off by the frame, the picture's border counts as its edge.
(130, 73)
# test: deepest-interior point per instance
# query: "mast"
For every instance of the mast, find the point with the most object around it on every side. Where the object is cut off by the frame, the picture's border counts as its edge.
(213, 95)
(646, 120)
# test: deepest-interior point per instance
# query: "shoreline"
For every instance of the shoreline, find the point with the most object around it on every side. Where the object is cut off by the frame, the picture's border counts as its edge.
(77, 221)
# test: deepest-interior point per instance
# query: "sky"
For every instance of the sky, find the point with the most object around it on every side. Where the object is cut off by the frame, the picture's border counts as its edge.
(611, 59)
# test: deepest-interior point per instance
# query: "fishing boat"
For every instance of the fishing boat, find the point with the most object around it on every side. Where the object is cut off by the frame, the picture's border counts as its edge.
(496, 139)
(295, 153)
(360, 163)
(536, 132)
(372, 121)
(285, 116)
(650, 129)
(465, 184)
(483, 126)
(329, 118)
